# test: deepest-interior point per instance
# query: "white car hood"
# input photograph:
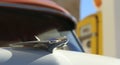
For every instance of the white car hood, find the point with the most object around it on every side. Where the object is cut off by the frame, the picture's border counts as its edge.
(10, 56)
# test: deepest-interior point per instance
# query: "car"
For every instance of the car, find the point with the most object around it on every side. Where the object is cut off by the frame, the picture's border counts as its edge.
(39, 32)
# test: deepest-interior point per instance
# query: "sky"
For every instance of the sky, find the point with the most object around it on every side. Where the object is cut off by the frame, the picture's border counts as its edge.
(86, 8)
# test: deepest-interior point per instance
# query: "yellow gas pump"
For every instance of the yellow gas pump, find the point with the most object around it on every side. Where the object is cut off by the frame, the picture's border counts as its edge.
(89, 32)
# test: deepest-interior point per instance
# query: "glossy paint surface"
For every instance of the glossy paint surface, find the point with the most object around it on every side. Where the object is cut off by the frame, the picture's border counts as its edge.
(27, 56)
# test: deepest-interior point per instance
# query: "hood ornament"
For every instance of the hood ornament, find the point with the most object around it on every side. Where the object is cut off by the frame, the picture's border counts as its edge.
(49, 45)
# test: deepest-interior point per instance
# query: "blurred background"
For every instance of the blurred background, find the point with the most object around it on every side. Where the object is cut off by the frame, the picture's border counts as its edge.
(98, 24)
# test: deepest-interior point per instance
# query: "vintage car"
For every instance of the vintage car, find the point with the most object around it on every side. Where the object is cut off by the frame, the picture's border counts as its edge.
(39, 32)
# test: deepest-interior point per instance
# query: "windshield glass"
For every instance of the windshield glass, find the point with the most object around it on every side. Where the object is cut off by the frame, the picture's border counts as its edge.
(49, 35)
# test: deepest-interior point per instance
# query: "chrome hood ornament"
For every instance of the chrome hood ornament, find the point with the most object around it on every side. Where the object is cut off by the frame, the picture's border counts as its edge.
(49, 45)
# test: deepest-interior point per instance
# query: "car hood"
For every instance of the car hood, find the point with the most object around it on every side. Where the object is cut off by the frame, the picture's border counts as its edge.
(27, 56)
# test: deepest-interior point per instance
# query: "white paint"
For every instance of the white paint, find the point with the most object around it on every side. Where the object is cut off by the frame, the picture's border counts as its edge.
(5, 55)
(76, 58)
(58, 57)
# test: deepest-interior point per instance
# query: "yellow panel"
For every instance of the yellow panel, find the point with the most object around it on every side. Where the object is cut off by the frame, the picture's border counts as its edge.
(90, 20)
(95, 21)
(94, 37)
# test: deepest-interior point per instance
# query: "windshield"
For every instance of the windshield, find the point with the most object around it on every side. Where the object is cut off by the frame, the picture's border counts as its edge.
(50, 35)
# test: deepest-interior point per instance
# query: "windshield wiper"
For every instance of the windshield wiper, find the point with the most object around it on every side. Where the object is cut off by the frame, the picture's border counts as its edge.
(50, 45)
